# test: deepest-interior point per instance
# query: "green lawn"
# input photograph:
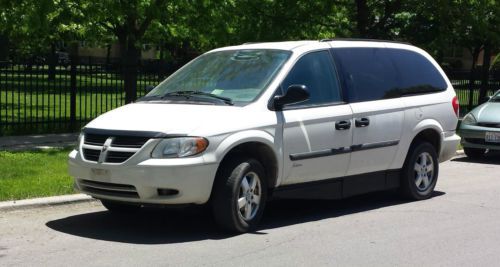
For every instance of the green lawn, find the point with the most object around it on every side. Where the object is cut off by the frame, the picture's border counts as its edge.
(30, 174)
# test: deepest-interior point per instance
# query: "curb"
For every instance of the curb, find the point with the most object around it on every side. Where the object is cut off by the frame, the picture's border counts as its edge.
(460, 153)
(44, 201)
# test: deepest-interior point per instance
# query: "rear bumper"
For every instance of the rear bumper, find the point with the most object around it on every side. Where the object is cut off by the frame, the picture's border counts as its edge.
(449, 146)
(191, 184)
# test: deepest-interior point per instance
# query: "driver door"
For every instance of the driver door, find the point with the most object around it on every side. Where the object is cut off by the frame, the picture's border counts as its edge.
(317, 133)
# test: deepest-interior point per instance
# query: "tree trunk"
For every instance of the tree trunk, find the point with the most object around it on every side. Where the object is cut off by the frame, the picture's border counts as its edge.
(440, 56)
(362, 18)
(485, 73)
(130, 59)
(108, 55)
(472, 75)
(4, 47)
(52, 62)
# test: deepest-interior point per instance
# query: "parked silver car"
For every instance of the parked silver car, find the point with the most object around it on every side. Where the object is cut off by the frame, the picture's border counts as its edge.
(480, 128)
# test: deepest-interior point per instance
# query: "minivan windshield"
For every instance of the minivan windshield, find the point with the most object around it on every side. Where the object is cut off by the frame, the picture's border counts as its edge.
(235, 76)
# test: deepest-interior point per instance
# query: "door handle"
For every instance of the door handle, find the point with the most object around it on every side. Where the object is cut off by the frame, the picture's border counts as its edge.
(363, 122)
(343, 125)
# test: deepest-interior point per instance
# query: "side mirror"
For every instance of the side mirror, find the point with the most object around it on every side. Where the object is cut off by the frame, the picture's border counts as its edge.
(149, 88)
(296, 93)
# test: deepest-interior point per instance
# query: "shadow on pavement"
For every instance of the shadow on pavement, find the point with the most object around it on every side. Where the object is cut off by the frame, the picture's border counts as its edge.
(492, 157)
(178, 226)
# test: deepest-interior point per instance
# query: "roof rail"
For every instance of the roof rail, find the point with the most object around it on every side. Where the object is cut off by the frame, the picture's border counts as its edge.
(247, 43)
(363, 40)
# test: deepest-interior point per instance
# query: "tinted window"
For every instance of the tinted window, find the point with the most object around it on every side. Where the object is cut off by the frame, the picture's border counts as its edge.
(417, 74)
(368, 73)
(316, 71)
(380, 73)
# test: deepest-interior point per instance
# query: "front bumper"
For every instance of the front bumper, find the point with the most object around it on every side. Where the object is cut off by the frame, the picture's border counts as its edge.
(139, 183)
(474, 137)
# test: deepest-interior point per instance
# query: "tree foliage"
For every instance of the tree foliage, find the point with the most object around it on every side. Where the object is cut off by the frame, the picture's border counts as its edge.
(435, 25)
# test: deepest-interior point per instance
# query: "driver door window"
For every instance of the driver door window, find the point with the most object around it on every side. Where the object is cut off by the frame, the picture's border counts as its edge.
(316, 71)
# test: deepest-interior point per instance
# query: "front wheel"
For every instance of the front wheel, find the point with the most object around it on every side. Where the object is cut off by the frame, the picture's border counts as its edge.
(239, 195)
(420, 172)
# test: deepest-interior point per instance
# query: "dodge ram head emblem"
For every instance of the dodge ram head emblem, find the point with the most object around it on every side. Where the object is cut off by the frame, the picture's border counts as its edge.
(104, 150)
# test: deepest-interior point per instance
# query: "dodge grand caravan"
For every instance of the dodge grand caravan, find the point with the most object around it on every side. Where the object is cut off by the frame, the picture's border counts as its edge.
(308, 119)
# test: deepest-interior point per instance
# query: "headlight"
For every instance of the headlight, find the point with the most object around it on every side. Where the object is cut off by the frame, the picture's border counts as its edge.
(469, 119)
(179, 147)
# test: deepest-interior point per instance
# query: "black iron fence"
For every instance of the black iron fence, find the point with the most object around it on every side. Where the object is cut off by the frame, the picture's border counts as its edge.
(468, 94)
(32, 102)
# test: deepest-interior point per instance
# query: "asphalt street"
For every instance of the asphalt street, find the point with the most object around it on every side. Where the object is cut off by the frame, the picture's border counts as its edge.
(459, 226)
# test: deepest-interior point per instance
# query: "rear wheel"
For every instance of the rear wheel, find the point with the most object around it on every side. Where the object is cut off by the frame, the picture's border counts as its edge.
(239, 195)
(118, 207)
(474, 153)
(420, 172)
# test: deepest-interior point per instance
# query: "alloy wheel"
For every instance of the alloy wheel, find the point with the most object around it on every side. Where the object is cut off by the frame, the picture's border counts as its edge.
(424, 171)
(249, 196)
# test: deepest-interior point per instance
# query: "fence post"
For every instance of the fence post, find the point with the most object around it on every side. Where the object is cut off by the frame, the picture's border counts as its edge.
(72, 99)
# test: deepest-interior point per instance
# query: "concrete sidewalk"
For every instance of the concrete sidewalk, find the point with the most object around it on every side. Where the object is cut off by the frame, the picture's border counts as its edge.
(27, 142)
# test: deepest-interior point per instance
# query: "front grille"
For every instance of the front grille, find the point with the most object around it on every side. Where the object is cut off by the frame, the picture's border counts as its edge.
(129, 141)
(479, 141)
(95, 139)
(111, 149)
(489, 125)
(109, 189)
(90, 154)
(117, 157)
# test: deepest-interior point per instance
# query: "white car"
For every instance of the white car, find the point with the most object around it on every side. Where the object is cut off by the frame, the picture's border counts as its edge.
(307, 119)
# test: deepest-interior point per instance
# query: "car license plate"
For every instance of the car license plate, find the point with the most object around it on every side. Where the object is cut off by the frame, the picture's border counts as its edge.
(492, 137)
(100, 174)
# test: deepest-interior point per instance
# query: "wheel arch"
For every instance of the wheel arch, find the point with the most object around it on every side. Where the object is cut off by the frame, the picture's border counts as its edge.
(429, 131)
(255, 144)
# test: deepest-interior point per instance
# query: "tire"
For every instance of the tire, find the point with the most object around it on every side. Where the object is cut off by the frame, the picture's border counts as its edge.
(474, 153)
(118, 207)
(420, 172)
(239, 195)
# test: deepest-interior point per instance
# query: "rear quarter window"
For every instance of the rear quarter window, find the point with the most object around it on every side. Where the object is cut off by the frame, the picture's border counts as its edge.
(382, 73)
(417, 74)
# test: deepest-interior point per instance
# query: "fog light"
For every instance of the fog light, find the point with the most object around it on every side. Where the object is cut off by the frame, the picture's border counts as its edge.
(167, 192)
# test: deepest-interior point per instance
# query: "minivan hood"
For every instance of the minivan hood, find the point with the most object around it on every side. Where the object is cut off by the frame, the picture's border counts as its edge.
(162, 117)
(487, 112)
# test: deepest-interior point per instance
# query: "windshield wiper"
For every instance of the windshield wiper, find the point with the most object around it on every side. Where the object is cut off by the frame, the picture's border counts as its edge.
(187, 94)
(148, 98)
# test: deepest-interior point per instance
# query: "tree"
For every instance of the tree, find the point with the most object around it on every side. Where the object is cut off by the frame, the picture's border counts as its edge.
(128, 22)
(471, 24)
(35, 25)
(377, 19)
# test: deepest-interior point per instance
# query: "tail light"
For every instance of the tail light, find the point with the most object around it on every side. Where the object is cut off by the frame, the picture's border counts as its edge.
(456, 105)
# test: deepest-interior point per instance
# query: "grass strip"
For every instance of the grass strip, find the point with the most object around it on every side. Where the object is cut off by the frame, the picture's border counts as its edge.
(37, 173)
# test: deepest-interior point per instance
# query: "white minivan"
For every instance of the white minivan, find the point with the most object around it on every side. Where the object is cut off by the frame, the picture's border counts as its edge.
(238, 125)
